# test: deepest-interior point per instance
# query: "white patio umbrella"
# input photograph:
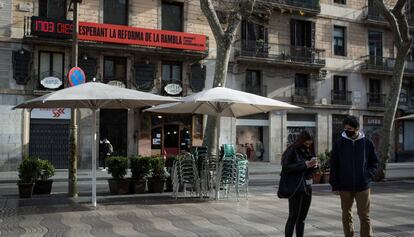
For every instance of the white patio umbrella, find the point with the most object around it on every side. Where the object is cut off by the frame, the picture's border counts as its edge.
(94, 96)
(223, 102)
(408, 117)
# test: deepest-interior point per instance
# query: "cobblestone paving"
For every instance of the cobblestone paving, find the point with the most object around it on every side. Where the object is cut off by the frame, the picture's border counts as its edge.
(262, 215)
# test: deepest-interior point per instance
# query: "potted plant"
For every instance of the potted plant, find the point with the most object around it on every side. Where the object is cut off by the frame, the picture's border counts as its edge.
(140, 169)
(43, 184)
(169, 163)
(158, 175)
(324, 165)
(117, 167)
(28, 172)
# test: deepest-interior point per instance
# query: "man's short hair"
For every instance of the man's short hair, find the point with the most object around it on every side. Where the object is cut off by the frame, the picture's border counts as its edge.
(352, 121)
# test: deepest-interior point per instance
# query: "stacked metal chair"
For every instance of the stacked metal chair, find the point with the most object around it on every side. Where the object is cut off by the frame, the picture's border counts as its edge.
(185, 175)
(242, 183)
(201, 157)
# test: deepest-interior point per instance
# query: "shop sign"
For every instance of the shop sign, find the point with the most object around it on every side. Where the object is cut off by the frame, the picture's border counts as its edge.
(118, 34)
(51, 82)
(372, 121)
(117, 83)
(50, 113)
(173, 89)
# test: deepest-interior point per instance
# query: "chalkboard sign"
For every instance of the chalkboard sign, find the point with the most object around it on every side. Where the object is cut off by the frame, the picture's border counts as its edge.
(144, 76)
(21, 66)
(198, 77)
(89, 67)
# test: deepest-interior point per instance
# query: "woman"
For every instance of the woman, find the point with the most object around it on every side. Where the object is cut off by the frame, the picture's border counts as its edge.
(298, 165)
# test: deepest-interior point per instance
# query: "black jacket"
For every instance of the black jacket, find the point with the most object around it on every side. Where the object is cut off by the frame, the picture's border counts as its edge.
(353, 164)
(294, 167)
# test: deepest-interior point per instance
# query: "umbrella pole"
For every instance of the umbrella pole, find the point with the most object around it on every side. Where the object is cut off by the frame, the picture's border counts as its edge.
(94, 157)
(218, 172)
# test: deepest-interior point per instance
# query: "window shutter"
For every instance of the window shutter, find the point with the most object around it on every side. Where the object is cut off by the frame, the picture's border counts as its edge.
(198, 77)
(144, 76)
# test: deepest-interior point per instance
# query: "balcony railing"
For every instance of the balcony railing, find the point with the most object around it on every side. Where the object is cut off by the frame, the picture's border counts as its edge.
(341, 97)
(303, 95)
(385, 64)
(281, 53)
(374, 14)
(376, 100)
(257, 90)
(302, 4)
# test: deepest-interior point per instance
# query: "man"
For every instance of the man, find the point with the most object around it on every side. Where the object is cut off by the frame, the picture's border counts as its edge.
(353, 164)
(106, 150)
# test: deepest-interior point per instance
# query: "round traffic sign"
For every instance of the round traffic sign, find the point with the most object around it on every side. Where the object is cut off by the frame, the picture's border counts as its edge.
(76, 76)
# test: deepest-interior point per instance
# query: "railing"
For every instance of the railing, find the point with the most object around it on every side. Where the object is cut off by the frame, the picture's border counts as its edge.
(257, 90)
(374, 14)
(341, 97)
(303, 95)
(376, 100)
(385, 64)
(280, 52)
(305, 4)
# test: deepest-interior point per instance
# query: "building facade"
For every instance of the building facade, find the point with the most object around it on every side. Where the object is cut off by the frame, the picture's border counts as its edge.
(331, 57)
(157, 46)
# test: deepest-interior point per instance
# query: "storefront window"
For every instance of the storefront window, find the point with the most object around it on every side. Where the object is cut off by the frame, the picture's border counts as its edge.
(115, 69)
(50, 65)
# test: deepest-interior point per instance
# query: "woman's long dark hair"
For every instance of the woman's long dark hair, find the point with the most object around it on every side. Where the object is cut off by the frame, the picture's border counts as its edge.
(300, 140)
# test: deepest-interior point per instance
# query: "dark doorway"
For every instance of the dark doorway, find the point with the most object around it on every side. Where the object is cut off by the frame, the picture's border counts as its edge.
(171, 139)
(49, 140)
(113, 126)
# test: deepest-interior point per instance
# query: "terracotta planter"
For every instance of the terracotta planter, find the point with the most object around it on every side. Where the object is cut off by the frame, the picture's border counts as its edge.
(25, 190)
(317, 178)
(156, 185)
(43, 187)
(138, 185)
(119, 186)
(325, 178)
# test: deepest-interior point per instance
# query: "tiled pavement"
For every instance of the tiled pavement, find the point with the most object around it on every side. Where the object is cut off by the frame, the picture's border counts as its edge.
(262, 215)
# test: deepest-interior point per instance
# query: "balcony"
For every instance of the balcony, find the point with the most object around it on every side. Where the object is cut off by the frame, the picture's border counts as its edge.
(303, 96)
(309, 6)
(257, 90)
(372, 16)
(376, 100)
(341, 97)
(384, 66)
(279, 54)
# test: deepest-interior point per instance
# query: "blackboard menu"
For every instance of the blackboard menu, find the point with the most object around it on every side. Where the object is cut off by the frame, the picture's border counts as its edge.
(21, 66)
(144, 76)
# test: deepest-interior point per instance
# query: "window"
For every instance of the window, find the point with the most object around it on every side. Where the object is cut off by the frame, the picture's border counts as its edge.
(115, 12)
(340, 83)
(340, 1)
(374, 86)
(50, 65)
(114, 69)
(198, 77)
(339, 41)
(302, 37)
(171, 72)
(375, 45)
(254, 36)
(301, 84)
(254, 82)
(52, 8)
(172, 16)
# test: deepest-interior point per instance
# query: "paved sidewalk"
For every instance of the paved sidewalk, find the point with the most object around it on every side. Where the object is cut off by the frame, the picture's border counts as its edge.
(395, 171)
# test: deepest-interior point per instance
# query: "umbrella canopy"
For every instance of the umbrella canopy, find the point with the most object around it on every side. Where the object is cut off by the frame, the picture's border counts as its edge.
(94, 95)
(408, 117)
(224, 102)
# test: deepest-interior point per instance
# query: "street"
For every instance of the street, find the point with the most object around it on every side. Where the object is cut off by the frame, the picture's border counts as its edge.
(263, 214)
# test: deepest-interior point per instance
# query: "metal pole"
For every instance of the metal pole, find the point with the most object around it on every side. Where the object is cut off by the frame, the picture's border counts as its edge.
(73, 192)
(94, 140)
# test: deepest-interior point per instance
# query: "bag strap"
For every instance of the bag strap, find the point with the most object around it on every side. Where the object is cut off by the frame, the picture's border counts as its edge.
(297, 187)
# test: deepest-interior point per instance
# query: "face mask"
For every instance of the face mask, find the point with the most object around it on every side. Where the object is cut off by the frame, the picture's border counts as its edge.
(350, 134)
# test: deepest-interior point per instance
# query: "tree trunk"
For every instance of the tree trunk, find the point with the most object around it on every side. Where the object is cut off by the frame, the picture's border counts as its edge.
(220, 77)
(390, 110)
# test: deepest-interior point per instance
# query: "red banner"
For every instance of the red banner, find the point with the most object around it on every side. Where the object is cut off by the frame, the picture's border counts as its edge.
(139, 36)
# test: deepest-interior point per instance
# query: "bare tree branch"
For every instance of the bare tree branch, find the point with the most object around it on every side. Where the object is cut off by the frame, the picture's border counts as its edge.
(392, 21)
(210, 13)
(399, 6)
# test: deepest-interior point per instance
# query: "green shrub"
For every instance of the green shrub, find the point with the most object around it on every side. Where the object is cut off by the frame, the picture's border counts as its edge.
(117, 166)
(46, 169)
(28, 170)
(324, 161)
(158, 167)
(140, 167)
(169, 162)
